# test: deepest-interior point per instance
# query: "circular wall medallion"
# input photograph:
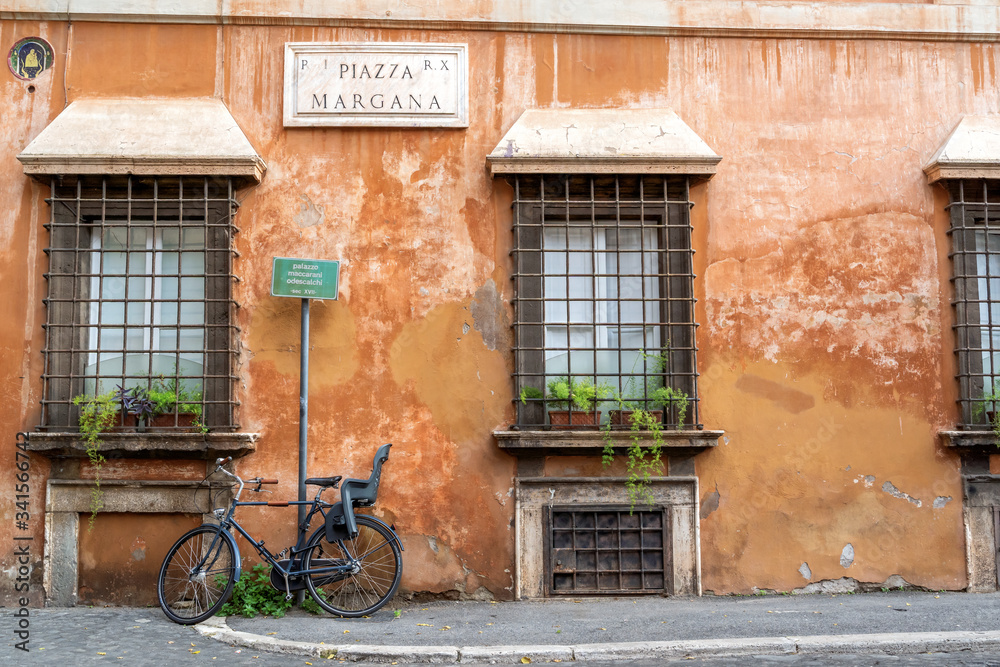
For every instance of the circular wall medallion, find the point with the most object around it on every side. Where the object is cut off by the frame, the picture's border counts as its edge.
(29, 57)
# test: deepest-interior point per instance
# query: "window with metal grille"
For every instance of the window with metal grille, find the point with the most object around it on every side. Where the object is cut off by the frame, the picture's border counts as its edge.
(603, 291)
(607, 550)
(140, 295)
(975, 237)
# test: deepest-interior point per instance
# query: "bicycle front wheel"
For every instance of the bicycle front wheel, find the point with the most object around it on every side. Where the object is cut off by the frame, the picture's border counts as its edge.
(196, 577)
(371, 581)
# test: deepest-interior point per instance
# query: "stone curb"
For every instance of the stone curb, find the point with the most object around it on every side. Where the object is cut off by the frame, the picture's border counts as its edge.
(886, 643)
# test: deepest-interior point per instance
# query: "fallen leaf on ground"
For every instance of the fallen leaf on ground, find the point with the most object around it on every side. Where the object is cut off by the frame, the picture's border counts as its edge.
(426, 625)
(525, 660)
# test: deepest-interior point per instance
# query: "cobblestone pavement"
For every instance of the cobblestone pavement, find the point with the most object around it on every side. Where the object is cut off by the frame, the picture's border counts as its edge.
(116, 635)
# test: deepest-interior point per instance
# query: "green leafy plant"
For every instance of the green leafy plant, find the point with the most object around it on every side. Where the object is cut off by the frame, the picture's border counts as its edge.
(98, 414)
(582, 393)
(161, 397)
(987, 408)
(564, 392)
(169, 397)
(645, 422)
(253, 594)
(532, 393)
(310, 605)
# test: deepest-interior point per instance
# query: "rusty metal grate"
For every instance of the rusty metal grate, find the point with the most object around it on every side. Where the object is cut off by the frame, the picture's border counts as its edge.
(607, 550)
(975, 238)
(140, 295)
(603, 292)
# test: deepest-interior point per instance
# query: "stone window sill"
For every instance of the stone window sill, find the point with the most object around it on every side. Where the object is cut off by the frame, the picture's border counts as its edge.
(970, 439)
(592, 442)
(147, 445)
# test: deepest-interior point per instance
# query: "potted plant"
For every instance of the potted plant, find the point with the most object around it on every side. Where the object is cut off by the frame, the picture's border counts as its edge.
(988, 407)
(175, 406)
(571, 401)
(162, 405)
(651, 398)
(575, 402)
(98, 414)
(135, 401)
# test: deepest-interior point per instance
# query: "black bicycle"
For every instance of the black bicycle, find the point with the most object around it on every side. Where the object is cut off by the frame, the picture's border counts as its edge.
(351, 564)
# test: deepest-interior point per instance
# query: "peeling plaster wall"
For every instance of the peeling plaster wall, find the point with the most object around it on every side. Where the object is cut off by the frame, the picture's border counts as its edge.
(825, 345)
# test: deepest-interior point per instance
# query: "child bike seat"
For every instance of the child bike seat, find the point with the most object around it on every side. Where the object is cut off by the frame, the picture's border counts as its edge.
(355, 493)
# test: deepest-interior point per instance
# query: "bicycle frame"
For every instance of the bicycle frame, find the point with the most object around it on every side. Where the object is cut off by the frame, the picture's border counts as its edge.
(228, 522)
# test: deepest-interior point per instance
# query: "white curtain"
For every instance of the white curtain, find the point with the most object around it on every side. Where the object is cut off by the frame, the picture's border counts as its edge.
(134, 268)
(591, 276)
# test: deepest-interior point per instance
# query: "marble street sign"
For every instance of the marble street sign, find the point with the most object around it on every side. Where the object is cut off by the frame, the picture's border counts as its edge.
(380, 84)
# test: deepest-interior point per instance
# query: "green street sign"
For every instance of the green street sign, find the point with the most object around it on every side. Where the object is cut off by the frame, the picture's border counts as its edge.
(305, 278)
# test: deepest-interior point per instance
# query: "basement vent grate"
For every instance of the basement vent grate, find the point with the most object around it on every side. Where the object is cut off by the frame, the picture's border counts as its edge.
(607, 550)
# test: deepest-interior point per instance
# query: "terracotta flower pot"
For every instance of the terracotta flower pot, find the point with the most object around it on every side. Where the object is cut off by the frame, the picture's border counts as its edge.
(624, 417)
(185, 420)
(577, 419)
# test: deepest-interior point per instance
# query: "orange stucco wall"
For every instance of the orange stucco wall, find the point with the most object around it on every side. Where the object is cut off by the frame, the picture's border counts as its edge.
(825, 346)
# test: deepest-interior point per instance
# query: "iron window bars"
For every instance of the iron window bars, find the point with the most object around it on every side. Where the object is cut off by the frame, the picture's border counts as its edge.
(604, 294)
(975, 237)
(140, 294)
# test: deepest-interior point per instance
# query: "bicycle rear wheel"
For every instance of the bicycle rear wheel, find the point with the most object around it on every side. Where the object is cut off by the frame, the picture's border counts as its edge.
(374, 578)
(189, 594)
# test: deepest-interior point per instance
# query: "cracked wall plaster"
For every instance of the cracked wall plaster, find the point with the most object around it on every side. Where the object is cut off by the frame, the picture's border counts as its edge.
(805, 571)
(847, 555)
(489, 315)
(891, 489)
(941, 501)
(309, 214)
(710, 503)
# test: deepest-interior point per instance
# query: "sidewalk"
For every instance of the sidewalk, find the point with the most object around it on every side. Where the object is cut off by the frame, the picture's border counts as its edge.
(894, 622)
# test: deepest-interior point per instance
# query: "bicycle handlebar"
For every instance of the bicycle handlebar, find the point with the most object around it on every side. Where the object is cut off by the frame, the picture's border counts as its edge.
(219, 463)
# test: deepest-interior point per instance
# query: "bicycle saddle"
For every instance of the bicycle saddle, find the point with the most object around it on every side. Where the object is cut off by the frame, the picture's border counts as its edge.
(324, 481)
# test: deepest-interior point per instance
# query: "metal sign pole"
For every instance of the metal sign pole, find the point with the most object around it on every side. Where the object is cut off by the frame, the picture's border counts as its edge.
(304, 279)
(303, 429)
(303, 417)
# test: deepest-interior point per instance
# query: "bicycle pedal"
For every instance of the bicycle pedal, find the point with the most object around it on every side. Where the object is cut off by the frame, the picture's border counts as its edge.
(288, 597)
